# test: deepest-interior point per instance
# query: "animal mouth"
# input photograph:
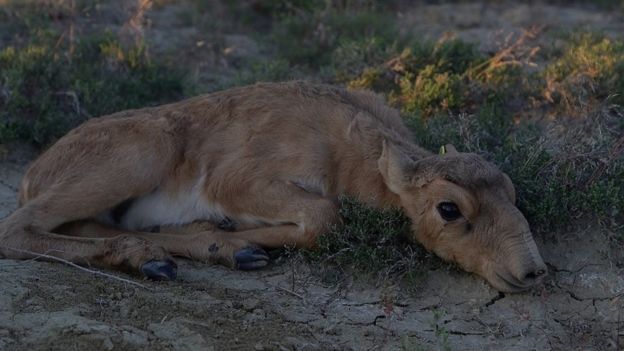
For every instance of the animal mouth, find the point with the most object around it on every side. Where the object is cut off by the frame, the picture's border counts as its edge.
(512, 284)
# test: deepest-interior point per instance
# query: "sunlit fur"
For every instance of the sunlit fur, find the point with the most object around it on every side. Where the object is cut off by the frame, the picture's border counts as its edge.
(272, 158)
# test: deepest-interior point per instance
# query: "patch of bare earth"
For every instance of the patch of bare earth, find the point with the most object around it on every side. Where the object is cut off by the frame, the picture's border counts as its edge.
(488, 23)
(49, 306)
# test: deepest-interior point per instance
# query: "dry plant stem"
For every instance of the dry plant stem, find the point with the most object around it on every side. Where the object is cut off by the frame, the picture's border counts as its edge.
(290, 292)
(332, 256)
(70, 31)
(135, 22)
(516, 53)
(88, 270)
(508, 55)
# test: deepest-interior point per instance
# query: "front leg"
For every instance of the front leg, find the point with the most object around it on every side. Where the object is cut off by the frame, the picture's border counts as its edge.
(292, 217)
(295, 217)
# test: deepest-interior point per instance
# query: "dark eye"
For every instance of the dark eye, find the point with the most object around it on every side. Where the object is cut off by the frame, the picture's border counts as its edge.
(449, 211)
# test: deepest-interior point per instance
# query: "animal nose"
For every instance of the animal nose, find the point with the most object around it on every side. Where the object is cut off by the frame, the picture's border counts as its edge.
(534, 276)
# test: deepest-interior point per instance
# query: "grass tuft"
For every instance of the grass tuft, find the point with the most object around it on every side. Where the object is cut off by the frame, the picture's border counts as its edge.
(372, 243)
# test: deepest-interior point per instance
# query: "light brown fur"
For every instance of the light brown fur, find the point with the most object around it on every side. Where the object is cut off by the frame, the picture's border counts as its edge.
(273, 158)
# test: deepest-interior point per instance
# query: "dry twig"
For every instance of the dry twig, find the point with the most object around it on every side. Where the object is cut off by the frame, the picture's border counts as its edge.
(290, 292)
(134, 25)
(69, 263)
(514, 54)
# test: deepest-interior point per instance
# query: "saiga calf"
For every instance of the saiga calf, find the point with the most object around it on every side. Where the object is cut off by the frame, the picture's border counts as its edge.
(269, 160)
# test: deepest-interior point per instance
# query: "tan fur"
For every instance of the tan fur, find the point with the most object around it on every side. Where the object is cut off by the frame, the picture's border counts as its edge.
(273, 158)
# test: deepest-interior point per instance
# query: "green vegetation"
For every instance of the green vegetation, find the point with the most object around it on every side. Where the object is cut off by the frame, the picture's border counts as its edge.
(46, 93)
(550, 116)
(372, 242)
(50, 82)
(589, 69)
(316, 35)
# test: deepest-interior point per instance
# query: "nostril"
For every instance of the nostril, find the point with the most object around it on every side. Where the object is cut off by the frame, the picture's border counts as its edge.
(533, 276)
(530, 277)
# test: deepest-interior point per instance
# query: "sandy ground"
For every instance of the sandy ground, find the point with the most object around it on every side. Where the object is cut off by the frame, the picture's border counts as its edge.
(50, 306)
(489, 23)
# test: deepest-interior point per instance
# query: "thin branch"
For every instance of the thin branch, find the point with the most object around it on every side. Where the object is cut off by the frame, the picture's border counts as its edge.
(334, 255)
(69, 263)
(290, 292)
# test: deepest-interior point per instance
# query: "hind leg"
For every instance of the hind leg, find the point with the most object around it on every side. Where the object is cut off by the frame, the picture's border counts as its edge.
(198, 241)
(90, 170)
(122, 252)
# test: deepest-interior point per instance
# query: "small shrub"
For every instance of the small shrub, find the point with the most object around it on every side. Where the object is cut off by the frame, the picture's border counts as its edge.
(430, 91)
(426, 78)
(588, 70)
(312, 35)
(46, 91)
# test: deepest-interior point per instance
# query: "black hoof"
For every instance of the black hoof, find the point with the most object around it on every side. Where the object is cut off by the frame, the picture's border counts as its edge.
(251, 257)
(227, 225)
(160, 269)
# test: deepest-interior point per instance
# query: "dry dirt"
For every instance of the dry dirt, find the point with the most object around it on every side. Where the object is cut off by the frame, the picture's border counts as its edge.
(50, 306)
(490, 22)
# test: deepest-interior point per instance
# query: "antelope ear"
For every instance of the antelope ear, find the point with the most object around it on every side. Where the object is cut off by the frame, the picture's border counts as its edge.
(448, 149)
(394, 166)
(509, 188)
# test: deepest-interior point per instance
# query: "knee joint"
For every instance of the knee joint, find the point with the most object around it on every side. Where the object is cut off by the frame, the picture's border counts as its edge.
(321, 221)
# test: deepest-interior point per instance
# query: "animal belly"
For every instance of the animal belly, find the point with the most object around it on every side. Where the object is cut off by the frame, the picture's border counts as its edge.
(160, 208)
